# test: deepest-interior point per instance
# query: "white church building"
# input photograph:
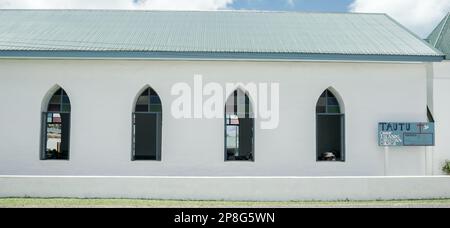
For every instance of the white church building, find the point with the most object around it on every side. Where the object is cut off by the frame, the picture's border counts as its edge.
(439, 91)
(119, 104)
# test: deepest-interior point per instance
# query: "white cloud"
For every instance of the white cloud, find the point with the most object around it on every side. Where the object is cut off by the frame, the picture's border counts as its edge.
(117, 4)
(185, 4)
(420, 16)
(291, 3)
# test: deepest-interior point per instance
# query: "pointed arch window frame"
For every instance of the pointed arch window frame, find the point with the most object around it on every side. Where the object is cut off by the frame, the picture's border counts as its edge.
(158, 112)
(330, 110)
(248, 114)
(48, 117)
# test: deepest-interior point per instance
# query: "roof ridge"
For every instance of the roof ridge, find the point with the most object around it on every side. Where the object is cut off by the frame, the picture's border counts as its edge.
(442, 29)
(220, 10)
(415, 35)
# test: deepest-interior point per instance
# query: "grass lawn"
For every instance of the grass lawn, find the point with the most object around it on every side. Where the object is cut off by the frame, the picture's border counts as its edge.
(111, 203)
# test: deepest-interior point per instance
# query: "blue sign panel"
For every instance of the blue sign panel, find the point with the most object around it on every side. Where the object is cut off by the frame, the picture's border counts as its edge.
(406, 134)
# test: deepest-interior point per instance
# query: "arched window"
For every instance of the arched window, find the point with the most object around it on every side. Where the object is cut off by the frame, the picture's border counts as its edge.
(330, 128)
(56, 127)
(147, 125)
(239, 128)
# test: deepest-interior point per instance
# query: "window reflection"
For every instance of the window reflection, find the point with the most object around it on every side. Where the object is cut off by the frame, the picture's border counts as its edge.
(239, 124)
(57, 127)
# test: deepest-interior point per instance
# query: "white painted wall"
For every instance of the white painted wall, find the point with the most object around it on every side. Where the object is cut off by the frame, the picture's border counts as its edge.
(224, 188)
(441, 112)
(102, 94)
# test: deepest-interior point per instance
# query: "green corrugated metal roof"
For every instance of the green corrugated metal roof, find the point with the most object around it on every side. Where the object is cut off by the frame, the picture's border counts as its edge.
(205, 34)
(440, 37)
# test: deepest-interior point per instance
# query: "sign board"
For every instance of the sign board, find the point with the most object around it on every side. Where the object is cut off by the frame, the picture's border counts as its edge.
(406, 134)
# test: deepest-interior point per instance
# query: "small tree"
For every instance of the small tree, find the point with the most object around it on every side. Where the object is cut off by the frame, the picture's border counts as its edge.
(446, 167)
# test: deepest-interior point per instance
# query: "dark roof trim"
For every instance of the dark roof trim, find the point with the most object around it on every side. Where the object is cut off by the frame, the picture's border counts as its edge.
(212, 56)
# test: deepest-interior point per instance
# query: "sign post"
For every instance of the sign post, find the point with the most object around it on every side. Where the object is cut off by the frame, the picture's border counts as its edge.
(386, 160)
(429, 162)
(405, 134)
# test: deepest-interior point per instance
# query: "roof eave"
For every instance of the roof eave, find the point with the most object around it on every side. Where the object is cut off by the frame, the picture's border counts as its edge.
(150, 55)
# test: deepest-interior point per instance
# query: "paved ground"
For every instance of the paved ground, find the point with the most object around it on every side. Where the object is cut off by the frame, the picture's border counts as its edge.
(124, 203)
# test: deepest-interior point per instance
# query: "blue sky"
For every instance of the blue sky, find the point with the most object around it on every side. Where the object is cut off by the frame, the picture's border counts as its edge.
(294, 5)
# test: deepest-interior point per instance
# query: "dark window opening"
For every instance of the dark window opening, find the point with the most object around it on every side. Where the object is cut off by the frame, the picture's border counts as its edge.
(239, 128)
(56, 128)
(147, 126)
(330, 129)
(430, 115)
